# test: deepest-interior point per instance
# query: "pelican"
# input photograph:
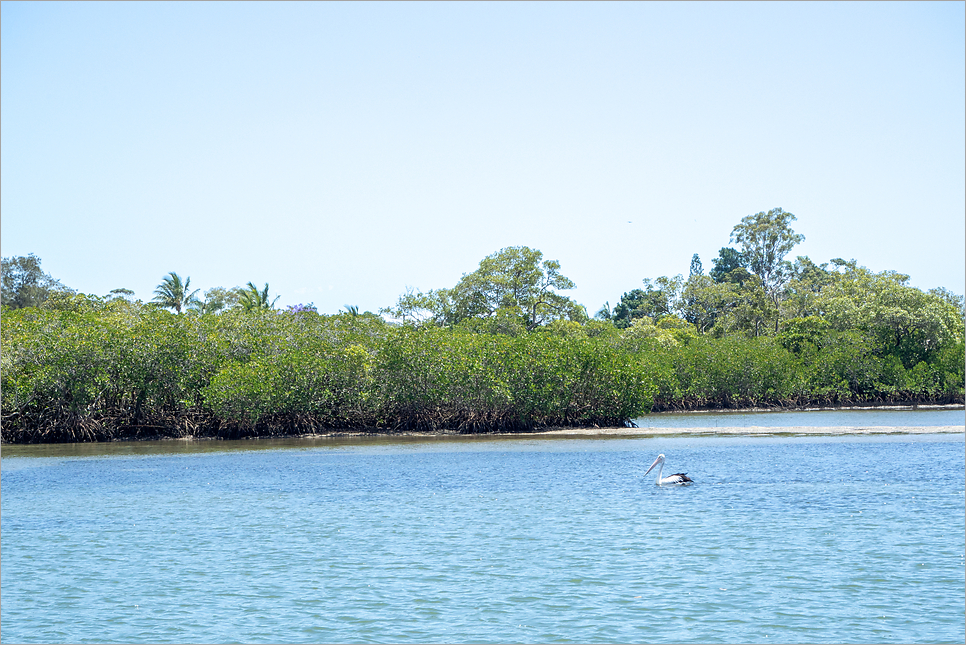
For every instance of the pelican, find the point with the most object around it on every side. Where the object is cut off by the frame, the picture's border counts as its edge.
(679, 479)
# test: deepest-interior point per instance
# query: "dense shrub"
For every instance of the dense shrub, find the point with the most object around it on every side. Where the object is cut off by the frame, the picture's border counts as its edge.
(89, 370)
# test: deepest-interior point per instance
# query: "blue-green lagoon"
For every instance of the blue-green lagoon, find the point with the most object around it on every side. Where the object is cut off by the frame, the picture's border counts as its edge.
(782, 539)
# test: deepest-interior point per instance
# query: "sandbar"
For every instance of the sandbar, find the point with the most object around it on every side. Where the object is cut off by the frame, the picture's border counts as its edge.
(756, 430)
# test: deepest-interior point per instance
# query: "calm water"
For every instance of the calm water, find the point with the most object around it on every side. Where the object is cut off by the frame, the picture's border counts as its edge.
(781, 539)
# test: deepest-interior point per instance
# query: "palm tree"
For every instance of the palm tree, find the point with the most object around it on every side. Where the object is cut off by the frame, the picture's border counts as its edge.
(206, 306)
(251, 298)
(173, 294)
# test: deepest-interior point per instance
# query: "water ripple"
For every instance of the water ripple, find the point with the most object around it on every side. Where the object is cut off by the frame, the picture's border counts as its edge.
(779, 541)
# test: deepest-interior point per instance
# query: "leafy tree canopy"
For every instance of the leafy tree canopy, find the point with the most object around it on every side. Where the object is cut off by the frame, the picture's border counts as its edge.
(800, 297)
(705, 302)
(729, 266)
(669, 331)
(659, 298)
(906, 321)
(217, 299)
(513, 283)
(24, 284)
(765, 239)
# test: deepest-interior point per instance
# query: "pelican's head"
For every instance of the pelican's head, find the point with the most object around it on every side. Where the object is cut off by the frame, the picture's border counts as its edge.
(659, 460)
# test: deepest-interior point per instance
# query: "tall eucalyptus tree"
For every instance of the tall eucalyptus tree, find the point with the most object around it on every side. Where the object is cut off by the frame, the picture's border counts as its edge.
(765, 239)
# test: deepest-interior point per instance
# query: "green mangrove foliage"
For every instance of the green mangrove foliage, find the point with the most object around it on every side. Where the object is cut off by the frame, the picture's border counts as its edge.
(454, 379)
(503, 350)
(96, 370)
(92, 369)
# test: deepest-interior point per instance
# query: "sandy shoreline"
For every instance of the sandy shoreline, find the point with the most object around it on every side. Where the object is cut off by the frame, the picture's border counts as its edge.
(756, 430)
(749, 431)
(14, 450)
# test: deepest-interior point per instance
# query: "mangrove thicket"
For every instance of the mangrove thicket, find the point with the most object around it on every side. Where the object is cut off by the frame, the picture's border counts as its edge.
(502, 350)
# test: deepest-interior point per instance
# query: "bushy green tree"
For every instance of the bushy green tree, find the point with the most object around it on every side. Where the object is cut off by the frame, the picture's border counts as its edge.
(765, 239)
(633, 304)
(217, 299)
(669, 331)
(513, 282)
(801, 296)
(729, 266)
(24, 284)
(705, 302)
(122, 293)
(904, 320)
(658, 298)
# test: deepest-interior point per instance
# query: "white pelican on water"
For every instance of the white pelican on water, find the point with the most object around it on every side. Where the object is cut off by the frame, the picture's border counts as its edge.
(680, 479)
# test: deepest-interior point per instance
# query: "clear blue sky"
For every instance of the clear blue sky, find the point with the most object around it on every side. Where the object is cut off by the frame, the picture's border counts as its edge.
(342, 152)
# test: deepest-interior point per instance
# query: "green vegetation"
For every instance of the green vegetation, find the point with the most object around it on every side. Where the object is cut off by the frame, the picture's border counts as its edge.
(503, 350)
(513, 289)
(24, 284)
(96, 370)
(251, 299)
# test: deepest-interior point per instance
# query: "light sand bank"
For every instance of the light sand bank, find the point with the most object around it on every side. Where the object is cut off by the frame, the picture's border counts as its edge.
(755, 430)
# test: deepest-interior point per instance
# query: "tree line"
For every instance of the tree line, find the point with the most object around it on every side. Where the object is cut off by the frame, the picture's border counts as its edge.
(25, 284)
(502, 350)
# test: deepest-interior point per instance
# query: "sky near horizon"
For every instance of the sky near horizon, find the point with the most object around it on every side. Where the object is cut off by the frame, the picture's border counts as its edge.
(343, 152)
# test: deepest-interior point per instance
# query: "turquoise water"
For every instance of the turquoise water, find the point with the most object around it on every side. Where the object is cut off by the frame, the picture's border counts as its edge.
(781, 539)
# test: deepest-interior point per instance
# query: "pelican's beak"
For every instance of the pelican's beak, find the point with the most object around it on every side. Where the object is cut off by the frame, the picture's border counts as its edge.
(656, 462)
